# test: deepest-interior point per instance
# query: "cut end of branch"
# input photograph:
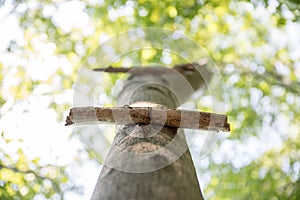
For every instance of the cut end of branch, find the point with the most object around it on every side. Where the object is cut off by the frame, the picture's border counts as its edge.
(68, 121)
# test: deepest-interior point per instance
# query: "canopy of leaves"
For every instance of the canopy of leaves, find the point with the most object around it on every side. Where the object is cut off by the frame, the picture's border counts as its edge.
(255, 45)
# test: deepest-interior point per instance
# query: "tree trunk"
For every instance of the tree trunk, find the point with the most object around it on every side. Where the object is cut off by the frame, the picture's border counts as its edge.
(148, 161)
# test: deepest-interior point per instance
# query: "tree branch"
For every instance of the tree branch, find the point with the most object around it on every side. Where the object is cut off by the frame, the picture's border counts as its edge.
(149, 115)
(183, 68)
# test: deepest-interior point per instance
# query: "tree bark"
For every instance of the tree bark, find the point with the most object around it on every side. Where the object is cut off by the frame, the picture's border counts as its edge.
(149, 161)
(144, 115)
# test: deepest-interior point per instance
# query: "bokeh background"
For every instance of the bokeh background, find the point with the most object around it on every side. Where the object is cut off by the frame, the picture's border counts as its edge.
(255, 45)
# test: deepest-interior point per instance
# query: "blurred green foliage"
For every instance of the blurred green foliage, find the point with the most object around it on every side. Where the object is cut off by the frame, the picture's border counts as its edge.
(24, 178)
(248, 40)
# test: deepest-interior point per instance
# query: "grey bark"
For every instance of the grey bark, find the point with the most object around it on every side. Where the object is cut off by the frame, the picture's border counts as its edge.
(148, 161)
